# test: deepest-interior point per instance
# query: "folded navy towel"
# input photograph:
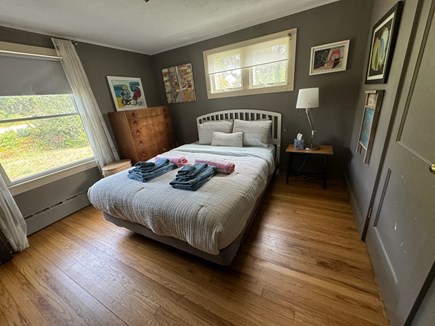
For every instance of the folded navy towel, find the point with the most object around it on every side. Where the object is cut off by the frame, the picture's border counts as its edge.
(195, 183)
(146, 171)
(188, 172)
(149, 166)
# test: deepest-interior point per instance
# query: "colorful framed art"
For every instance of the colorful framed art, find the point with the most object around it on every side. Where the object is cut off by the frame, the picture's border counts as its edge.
(179, 85)
(127, 93)
(369, 122)
(328, 58)
(384, 37)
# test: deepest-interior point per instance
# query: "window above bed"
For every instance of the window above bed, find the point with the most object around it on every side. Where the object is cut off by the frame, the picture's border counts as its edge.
(261, 65)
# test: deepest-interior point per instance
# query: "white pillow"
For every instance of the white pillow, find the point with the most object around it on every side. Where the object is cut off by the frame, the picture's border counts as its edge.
(206, 129)
(255, 133)
(225, 139)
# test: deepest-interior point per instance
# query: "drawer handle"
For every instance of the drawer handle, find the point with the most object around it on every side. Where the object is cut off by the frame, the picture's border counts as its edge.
(137, 132)
(135, 122)
(140, 143)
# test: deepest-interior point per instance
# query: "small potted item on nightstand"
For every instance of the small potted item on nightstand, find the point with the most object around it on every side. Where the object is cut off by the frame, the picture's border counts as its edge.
(299, 142)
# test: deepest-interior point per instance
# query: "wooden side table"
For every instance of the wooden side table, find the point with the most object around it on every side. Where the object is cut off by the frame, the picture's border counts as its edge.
(325, 152)
(116, 167)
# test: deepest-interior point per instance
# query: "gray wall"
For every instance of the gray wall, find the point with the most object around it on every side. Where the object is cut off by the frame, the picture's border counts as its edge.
(363, 178)
(338, 91)
(100, 62)
(426, 314)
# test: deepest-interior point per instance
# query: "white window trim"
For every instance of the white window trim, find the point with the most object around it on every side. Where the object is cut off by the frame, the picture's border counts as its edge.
(22, 50)
(291, 33)
(46, 177)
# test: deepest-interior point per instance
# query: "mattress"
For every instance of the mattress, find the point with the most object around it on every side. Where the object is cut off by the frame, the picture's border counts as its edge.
(208, 219)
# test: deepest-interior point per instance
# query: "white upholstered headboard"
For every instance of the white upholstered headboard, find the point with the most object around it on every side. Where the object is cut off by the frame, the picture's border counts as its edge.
(249, 114)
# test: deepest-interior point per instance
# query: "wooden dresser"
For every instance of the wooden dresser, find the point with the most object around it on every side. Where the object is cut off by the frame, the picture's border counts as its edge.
(143, 133)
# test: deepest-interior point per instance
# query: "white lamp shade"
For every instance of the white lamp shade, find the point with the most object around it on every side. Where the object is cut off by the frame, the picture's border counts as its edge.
(308, 98)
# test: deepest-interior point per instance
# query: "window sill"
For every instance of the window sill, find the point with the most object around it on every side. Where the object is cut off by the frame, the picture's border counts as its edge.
(51, 177)
(255, 91)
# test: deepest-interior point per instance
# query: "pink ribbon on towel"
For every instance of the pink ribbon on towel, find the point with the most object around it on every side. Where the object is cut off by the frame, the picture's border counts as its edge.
(221, 167)
(179, 160)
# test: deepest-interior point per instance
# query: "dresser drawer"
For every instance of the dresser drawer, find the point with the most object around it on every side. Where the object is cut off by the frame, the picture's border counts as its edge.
(146, 113)
(143, 133)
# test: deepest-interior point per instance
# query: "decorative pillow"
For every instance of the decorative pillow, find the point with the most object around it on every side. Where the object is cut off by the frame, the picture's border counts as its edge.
(226, 139)
(255, 133)
(206, 129)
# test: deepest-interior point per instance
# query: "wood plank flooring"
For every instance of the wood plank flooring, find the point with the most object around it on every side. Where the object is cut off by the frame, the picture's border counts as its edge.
(301, 264)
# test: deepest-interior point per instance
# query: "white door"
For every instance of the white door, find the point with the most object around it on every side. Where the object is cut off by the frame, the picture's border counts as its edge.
(401, 235)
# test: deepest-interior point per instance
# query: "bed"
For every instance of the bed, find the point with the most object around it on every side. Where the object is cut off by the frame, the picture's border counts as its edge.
(212, 221)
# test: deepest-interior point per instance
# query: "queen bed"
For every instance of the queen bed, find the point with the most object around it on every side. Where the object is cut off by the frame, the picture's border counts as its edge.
(212, 221)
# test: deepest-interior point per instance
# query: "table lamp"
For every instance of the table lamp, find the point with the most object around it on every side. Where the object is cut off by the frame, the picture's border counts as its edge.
(308, 98)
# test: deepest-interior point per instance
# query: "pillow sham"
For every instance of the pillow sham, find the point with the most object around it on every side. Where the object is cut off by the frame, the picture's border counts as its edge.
(234, 139)
(206, 129)
(255, 133)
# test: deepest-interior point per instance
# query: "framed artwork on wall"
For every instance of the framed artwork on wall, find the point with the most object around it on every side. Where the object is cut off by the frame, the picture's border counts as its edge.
(328, 58)
(369, 122)
(127, 93)
(179, 85)
(383, 41)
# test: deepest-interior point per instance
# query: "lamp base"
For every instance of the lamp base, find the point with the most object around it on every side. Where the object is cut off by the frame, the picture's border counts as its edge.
(312, 148)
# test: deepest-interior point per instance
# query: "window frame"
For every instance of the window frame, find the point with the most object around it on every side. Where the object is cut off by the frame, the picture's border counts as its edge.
(245, 75)
(47, 176)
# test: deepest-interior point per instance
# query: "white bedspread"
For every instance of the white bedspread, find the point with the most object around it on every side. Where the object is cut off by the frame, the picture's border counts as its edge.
(210, 218)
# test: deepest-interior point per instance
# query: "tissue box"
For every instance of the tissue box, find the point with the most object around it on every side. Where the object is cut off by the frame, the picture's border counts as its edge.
(298, 144)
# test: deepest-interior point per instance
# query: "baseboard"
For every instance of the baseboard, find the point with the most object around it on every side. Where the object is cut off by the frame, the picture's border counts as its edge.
(55, 213)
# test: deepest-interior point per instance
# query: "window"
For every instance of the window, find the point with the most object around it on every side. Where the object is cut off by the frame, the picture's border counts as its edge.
(260, 65)
(40, 129)
(40, 134)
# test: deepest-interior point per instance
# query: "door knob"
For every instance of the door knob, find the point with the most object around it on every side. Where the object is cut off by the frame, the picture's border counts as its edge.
(432, 168)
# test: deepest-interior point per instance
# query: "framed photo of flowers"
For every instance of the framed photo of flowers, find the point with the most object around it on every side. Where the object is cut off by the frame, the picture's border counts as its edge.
(179, 84)
(383, 41)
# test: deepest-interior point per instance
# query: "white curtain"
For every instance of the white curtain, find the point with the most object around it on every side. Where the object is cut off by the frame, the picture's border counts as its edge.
(11, 220)
(99, 137)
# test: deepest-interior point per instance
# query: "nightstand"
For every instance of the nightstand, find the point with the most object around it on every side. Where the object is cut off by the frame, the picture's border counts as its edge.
(116, 167)
(324, 152)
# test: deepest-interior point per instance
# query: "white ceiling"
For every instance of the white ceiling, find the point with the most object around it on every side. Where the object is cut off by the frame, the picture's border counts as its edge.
(149, 28)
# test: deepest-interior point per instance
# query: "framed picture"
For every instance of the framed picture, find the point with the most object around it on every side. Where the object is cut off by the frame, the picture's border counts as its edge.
(179, 85)
(383, 41)
(127, 93)
(328, 58)
(369, 122)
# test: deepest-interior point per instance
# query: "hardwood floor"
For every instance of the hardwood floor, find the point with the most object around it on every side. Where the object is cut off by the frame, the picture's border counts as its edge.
(302, 264)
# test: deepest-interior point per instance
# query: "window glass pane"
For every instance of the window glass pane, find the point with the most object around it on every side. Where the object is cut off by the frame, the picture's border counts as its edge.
(224, 61)
(14, 107)
(270, 74)
(267, 52)
(228, 80)
(255, 66)
(35, 146)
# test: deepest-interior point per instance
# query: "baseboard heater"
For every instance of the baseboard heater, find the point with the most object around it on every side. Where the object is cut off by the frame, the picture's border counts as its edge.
(56, 212)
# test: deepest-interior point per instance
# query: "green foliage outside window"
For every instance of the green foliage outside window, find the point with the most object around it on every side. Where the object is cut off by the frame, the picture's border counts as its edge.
(42, 140)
